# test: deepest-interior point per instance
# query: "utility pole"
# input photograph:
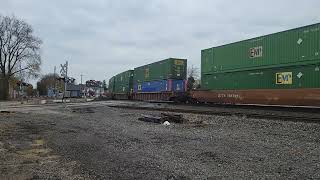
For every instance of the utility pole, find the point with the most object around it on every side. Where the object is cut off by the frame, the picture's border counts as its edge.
(55, 82)
(64, 73)
(84, 90)
(66, 80)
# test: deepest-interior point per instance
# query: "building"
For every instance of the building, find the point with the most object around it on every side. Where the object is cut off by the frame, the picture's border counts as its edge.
(73, 91)
(94, 88)
(16, 89)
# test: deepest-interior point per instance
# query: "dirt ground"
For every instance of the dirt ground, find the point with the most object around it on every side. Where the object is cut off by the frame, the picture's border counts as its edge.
(99, 142)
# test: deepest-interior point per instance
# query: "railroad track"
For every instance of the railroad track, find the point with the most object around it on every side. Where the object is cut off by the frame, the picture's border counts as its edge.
(230, 111)
(308, 115)
(283, 117)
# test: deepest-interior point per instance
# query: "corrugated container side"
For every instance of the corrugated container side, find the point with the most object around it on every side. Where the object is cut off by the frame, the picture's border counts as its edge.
(152, 86)
(179, 70)
(160, 86)
(123, 82)
(293, 77)
(111, 84)
(207, 61)
(171, 68)
(293, 47)
(178, 85)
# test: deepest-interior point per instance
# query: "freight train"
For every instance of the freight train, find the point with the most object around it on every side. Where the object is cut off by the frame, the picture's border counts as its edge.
(162, 80)
(277, 69)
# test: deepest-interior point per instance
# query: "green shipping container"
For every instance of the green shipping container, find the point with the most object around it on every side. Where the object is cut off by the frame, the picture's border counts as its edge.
(171, 68)
(111, 84)
(300, 46)
(122, 83)
(292, 77)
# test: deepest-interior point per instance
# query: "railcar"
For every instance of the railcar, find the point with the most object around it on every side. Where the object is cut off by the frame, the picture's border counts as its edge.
(159, 81)
(276, 69)
(120, 85)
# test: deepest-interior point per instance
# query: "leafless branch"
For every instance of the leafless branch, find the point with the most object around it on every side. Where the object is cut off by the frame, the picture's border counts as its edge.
(18, 45)
(193, 72)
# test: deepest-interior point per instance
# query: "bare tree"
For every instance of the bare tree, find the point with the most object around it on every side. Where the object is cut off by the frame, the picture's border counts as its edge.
(193, 75)
(194, 72)
(49, 81)
(19, 51)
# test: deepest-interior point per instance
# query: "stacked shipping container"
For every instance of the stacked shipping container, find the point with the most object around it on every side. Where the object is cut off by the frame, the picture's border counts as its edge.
(161, 86)
(281, 69)
(121, 83)
(157, 81)
(162, 76)
(289, 59)
(111, 85)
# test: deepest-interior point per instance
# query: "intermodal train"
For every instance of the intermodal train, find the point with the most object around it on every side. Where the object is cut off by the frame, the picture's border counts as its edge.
(277, 69)
(162, 80)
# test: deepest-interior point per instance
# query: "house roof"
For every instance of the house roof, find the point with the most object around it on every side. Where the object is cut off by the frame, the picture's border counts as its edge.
(73, 87)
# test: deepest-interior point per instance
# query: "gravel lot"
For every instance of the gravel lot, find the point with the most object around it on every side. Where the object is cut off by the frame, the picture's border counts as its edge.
(99, 142)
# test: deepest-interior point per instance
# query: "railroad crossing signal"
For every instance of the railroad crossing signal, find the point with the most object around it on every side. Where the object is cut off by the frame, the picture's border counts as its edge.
(64, 73)
(64, 69)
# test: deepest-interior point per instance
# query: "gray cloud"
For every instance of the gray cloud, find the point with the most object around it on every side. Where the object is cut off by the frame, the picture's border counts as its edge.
(101, 38)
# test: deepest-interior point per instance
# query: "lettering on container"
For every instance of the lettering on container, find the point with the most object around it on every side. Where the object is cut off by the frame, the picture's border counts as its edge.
(311, 30)
(178, 62)
(234, 96)
(256, 52)
(284, 78)
(178, 70)
(178, 87)
(146, 73)
(256, 73)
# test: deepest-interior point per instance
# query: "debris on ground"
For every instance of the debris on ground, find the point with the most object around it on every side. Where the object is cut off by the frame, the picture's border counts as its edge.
(173, 118)
(7, 112)
(83, 110)
(163, 118)
(149, 118)
(166, 123)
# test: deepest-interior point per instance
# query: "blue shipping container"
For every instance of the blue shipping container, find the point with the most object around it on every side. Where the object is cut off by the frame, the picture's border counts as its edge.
(153, 86)
(178, 85)
(160, 86)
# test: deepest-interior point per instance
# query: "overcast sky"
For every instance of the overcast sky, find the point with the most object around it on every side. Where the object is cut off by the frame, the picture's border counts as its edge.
(101, 38)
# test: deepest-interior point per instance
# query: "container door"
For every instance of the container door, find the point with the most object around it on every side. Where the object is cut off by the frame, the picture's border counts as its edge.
(169, 85)
(179, 69)
(207, 61)
(308, 42)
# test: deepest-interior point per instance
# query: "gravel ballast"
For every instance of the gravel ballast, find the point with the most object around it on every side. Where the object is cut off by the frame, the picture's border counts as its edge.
(111, 143)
